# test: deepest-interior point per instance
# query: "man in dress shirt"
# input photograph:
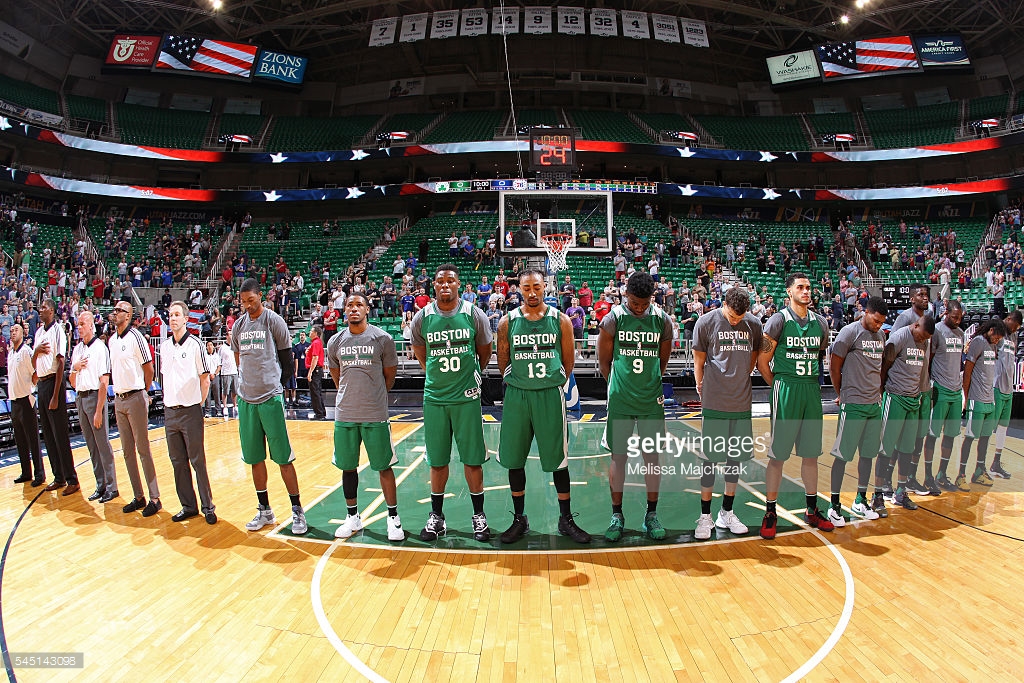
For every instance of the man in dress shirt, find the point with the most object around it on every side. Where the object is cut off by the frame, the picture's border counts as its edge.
(228, 375)
(186, 384)
(23, 411)
(51, 343)
(131, 371)
(90, 376)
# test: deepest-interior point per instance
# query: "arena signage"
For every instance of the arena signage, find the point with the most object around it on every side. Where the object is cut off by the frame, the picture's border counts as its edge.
(133, 51)
(795, 66)
(279, 66)
(946, 50)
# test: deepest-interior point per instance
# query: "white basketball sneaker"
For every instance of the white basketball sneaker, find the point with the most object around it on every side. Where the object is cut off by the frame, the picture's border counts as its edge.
(704, 526)
(836, 517)
(395, 530)
(727, 519)
(352, 524)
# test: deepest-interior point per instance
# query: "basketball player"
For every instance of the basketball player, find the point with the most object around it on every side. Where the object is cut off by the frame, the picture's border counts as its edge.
(23, 413)
(633, 348)
(263, 354)
(726, 344)
(903, 363)
(1006, 367)
(363, 362)
(89, 377)
(856, 371)
(535, 357)
(947, 395)
(979, 382)
(793, 344)
(451, 339)
(920, 296)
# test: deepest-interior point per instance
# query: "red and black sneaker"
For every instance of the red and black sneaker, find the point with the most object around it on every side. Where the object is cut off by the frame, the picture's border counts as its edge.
(768, 525)
(818, 521)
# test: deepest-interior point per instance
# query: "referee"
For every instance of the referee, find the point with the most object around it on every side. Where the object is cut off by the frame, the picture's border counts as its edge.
(23, 413)
(186, 384)
(51, 345)
(90, 376)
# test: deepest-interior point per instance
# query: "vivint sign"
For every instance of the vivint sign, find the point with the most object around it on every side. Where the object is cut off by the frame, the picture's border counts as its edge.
(796, 66)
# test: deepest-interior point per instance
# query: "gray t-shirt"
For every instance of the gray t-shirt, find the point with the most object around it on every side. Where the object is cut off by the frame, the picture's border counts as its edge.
(983, 355)
(480, 322)
(905, 373)
(906, 319)
(1006, 364)
(362, 393)
(729, 350)
(257, 342)
(948, 345)
(861, 351)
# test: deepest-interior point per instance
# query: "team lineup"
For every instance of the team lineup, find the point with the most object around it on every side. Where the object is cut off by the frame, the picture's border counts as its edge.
(898, 397)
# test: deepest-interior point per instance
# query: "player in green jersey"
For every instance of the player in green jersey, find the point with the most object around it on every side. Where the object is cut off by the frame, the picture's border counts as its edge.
(794, 342)
(633, 348)
(451, 339)
(535, 357)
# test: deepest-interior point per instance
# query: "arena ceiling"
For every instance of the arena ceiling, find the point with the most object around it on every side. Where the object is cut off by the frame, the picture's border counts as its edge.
(334, 33)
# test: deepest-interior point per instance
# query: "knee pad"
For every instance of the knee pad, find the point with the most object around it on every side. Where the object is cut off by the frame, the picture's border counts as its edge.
(517, 479)
(350, 484)
(707, 475)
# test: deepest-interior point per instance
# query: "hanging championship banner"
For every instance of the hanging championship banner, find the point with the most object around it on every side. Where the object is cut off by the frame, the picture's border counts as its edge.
(570, 21)
(414, 27)
(695, 33)
(537, 20)
(446, 24)
(666, 28)
(383, 31)
(634, 24)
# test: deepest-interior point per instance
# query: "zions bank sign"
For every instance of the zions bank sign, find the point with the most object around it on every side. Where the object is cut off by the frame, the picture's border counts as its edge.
(279, 66)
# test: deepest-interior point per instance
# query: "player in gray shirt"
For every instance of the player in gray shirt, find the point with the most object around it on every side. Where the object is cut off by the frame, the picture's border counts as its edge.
(979, 380)
(1006, 369)
(903, 363)
(919, 306)
(363, 363)
(726, 344)
(947, 350)
(263, 354)
(856, 370)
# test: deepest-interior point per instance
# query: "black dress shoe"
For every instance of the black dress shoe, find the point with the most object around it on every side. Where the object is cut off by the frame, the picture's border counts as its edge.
(152, 507)
(38, 482)
(96, 495)
(183, 515)
(107, 497)
(23, 479)
(136, 504)
(211, 517)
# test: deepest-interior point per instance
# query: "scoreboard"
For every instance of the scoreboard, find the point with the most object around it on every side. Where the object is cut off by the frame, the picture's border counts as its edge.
(897, 297)
(553, 149)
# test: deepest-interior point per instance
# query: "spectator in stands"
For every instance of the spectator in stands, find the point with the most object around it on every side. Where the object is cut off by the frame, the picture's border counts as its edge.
(567, 290)
(453, 246)
(576, 316)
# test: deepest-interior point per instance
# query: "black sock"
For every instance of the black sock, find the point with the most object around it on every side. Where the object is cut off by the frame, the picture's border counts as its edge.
(769, 506)
(518, 504)
(727, 501)
(565, 507)
(996, 458)
(862, 493)
(835, 501)
(943, 464)
(705, 507)
(294, 498)
(263, 497)
(392, 510)
(478, 502)
(616, 509)
(352, 509)
(437, 504)
(652, 506)
(812, 501)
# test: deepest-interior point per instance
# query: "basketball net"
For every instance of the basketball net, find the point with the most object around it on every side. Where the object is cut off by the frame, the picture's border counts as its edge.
(557, 247)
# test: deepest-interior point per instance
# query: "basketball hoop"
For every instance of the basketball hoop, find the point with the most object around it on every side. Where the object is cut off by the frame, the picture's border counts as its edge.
(557, 246)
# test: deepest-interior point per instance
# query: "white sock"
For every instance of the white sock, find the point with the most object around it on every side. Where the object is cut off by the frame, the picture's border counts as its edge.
(1000, 437)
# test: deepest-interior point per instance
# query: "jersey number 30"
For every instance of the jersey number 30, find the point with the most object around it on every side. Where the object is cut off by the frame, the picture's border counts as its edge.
(450, 363)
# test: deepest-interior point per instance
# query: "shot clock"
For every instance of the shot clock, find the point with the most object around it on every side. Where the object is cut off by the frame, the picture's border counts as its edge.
(552, 149)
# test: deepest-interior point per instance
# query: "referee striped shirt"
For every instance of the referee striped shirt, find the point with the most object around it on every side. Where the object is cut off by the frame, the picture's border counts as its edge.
(128, 353)
(182, 364)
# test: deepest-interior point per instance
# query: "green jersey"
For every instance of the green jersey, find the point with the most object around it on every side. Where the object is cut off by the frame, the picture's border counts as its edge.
(453, 371)
(799, 343)
(535, 350)
(635, 380)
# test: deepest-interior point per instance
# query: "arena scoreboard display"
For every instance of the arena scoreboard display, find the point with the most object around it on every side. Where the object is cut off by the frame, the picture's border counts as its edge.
(897, 297)
(552, 149)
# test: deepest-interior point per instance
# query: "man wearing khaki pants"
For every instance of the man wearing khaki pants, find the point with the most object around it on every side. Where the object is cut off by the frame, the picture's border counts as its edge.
(131, 370)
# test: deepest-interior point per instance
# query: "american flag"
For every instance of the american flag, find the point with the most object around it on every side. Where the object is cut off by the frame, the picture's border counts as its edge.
(683, 135)
(838, 137)
(985, 123)
(188, 53)
(867, 56)
(241, 139)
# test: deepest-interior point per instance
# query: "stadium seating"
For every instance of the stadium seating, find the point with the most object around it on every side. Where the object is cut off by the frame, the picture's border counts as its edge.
(538, 117)
(51, 236)
(154, 127)
(837, 122)
(410, 123)
(464, 126)
(1020, 103)
(87, 108)
(666, 122)
(305, 134)
(608, 125)
(241, 124)
(29, 95)
(993, 106)
(777, 133)
(897, 128)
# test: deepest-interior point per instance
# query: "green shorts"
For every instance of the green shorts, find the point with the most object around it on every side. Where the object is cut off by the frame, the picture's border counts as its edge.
(726, 436)
(261, 425)
(981, 419)
(899, 423)
(859, 429)
(947, 407)
(622, 423)
(375, 436)
(458, 421)
(796, 420)
(924, 414)
(526, 414)
(1004, 404)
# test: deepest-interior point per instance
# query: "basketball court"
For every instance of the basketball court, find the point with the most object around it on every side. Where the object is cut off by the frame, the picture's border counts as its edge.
(216, 602)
